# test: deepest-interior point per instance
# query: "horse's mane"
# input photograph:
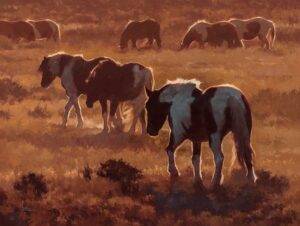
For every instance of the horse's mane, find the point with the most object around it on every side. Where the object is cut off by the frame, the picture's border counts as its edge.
(197, 22)
(64, 53)
(181, 81)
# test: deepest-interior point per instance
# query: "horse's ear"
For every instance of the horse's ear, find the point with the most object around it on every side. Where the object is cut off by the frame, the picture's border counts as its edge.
(148, 92)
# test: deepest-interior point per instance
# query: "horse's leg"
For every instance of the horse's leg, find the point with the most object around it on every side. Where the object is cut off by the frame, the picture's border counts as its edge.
(78, 112)
(103, 104)
(138, 106)
(264, 40)
(133, 43)
(119, 115)
(150, 41)
(66, 113)
(215, 143)
(174, 142)
(143, 121)
(113, 108)
(158, 41)
(196, 160)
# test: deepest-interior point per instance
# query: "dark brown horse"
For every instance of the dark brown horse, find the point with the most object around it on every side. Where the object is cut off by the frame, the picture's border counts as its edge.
(117, 83)
(18, 30)
(135, 30)
(212, 33)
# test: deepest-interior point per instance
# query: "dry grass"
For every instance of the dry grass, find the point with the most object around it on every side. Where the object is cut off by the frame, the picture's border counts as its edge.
(33, 141)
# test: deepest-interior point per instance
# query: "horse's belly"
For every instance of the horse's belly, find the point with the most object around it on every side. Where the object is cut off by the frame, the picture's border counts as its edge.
(249, 35)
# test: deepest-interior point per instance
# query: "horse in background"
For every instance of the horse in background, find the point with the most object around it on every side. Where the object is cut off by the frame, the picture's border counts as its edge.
(73, 70)
(135, 30)
(47, 29)
(256, 27)
(18, 30)
(119, 83)
(200, 116)
(212, 33)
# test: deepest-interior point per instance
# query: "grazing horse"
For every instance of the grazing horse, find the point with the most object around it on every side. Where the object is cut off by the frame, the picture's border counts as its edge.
(117, 83)
(73, 70)
(18, 30)
(212, 33)
(256, 27)
(202, 116)
(135, 30)
(47, 29)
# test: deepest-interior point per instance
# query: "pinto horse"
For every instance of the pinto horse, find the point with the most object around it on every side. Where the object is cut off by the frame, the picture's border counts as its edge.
(18, 30)
(135, 30)
(202, 116)
(256, 27)
(212, 33)
(118, 83)
(73, 70)
(47, 29)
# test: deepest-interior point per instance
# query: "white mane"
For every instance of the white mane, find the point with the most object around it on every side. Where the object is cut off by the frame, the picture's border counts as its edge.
(62, 52)
(179, 88)
(182, 82)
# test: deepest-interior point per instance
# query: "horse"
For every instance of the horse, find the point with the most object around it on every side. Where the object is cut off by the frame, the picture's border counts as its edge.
(135, 30)
(18, 30)
(256, 27)
(212, 33)
(73, 70)
(47, 29)
(201, 116)
(118, 83)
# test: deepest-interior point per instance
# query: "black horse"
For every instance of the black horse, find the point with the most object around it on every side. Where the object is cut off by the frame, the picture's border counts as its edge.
(135, 30)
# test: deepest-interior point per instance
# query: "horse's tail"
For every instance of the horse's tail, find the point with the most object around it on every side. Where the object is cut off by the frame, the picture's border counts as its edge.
(56, 34)
(241, 123)
(273, 33)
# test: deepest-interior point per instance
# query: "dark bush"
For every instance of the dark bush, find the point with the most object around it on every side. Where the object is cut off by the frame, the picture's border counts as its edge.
(121, 172)
(31, 184)
(11, 90)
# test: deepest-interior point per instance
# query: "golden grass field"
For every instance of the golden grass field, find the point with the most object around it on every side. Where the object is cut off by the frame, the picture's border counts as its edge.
(32, 139)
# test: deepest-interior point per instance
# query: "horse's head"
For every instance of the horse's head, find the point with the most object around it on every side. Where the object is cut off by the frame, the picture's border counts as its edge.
(53, 66)
(49, 70)
(157, 111)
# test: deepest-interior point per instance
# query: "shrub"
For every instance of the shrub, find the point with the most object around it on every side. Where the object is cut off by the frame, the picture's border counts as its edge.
(121, 172)
(31, 184)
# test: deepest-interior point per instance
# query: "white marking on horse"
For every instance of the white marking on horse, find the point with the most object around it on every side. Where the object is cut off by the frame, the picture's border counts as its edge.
(67, 79)
(201, 28)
